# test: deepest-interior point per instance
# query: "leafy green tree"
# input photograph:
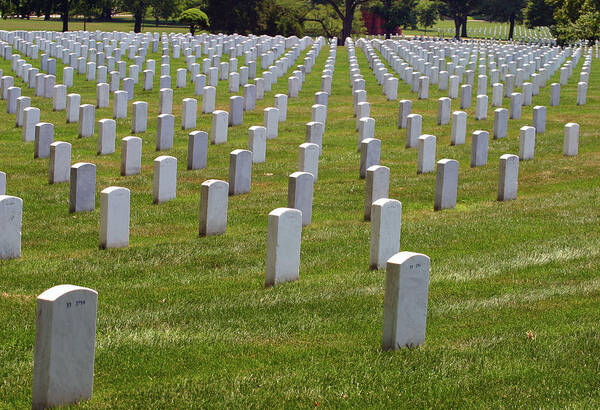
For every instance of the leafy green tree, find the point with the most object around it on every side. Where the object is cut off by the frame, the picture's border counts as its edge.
(509, 11)
(195, 18)
(428, 12)
(577, 20)
(345, 10)
(164, 9)
(539, 13)
(396, 13)
(138, 8)
(459, 11)
(234, 16)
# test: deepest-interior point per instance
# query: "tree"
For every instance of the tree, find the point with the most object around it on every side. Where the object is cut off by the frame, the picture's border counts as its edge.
(539, 13)
(164, 9)
(459, 11)
(577, 20)
(505, 10)
(138, 8)
(345, 10)
(65, 6)
(234, 16)
(428, 12)
(194, 18)
(396, 13)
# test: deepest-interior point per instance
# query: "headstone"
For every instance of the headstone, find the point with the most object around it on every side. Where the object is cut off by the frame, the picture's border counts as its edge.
(444, 108)
(426, 156)
(189, 107)
(208, 99)
(283, 246)
(413, 129)
(73, 104)
(370, 153)
(459, 128)
(554, 94)
(271, 122)
(213, 207)
(300, 194)
(131, 156)
(571, 139)
(65, 341)
(404, 110)
(107, 131)
(508, 177)
(314, 134)
(44, 136)
(308, 159)
(516, 105)
(377, 186)
(120, 104)
(500, 122)
(466, 91)
(165, 101)
(526, 143)
(87, 120)
(240, 171)
(281, 105)
(481, 107)
(446, 184)
(12, 94)
(60, 162)
(165, 179)
(236, 110)
(539, 119)
(164, 132)
(581, 93)
(31, 116)
(197, 150)
(366, 129)
(479, 148)
(22, 103)
(139, 117)
(11, 219)
(102, 95)
(257, 143)
(218, 130)
(83, 187)
(114, 217)
(386, 220)
(405, 300)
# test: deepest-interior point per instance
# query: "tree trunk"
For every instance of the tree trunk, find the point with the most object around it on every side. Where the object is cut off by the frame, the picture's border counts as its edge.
(156, 21)
(464, 27)
(137, 27)
(457, 22)
(47, 15)
(192, 29)
(65, 16)
(511, 30)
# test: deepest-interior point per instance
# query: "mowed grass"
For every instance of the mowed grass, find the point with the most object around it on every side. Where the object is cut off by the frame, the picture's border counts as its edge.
(185, 321)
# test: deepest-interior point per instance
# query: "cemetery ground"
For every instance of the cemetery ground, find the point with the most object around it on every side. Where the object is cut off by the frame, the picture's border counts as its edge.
(185, 321)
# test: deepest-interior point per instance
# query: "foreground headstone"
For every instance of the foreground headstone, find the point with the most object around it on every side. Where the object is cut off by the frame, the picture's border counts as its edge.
(107, 131)
(500, 122)
(83, 187)
(73, 103)
(314, 134)
(87, 119)
(31, 116)
(308, 159)
(281, 104)
(139, 119)
(414, 123)
(446, 184)
(257, 143)
(405, 300)
(300, 194)
(197, 150)
(571, 139)
(376, 187)
(44, 136)
(271, 122)
(214, 197)
(386, 221)
(404, 110)
(164, 131)
(240, 171)
(526, 143)
(60, 162)
(114, 217)
(11, 219)
(131, 156)
(218, 130)
(444, 108)
(539, 119)
(120, 104)
(370, 154)
(508, 177)
(65, 340)
(189, 109)
(283, 246)
(459, 128)
(426, 156)
(236, 110)
(479, 148)
(165, 179)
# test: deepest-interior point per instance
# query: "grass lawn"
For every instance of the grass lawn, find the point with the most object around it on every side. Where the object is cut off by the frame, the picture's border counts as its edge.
(185, 321)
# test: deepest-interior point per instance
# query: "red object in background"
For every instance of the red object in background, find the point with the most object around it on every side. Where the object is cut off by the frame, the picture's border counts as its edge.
(374, 23)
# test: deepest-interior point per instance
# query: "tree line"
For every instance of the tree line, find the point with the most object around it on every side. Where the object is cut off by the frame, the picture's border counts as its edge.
(569, 20)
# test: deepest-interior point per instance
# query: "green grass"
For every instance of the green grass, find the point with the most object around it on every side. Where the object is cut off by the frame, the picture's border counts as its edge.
(185, 321)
